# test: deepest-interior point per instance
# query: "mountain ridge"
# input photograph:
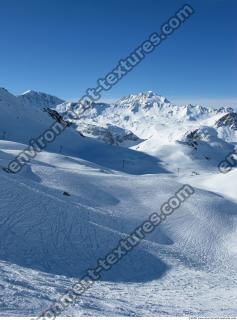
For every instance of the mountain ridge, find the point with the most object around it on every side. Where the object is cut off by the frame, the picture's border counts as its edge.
(141, 115)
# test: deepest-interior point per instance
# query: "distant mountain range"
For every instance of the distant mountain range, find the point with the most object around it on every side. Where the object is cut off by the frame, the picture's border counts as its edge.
(131, 119)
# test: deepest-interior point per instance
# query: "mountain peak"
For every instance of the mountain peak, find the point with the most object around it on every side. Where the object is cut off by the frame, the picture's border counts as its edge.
(144, 99)
(5, 95)
(228, 120)
(3, 89)
(4, 92)
(28, 92)
(39, 99)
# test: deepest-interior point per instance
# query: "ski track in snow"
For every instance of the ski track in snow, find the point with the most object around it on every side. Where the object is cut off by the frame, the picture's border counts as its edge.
(38, 223)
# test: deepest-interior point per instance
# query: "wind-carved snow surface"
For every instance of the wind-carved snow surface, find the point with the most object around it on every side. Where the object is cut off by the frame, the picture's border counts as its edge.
(187, 266)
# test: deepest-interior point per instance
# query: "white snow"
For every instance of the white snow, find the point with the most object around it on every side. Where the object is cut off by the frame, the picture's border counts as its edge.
(187, 266)
(38, 99)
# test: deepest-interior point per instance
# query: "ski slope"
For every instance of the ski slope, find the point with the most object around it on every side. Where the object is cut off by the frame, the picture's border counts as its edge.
(44, 230)
(187, 266)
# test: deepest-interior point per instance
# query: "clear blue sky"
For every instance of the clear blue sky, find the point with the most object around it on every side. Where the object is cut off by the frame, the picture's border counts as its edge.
(62, 47)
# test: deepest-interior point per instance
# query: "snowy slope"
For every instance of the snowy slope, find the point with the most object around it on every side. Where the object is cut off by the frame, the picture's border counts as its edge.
(19, 121)
(224, 184)
(46, 231)
(187, 266)
(182, 292)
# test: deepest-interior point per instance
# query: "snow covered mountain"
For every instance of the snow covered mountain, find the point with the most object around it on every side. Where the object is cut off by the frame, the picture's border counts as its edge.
(79, 197)
(39, 99)
(229, 120)
(227, 127)
(143, 122)
(146, 114)
(109, 134)
(22, 122)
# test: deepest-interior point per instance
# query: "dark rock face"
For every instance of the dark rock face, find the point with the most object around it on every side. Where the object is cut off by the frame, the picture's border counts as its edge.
(110, 134)
(193, 135)
(228, 120)
(57, 117)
